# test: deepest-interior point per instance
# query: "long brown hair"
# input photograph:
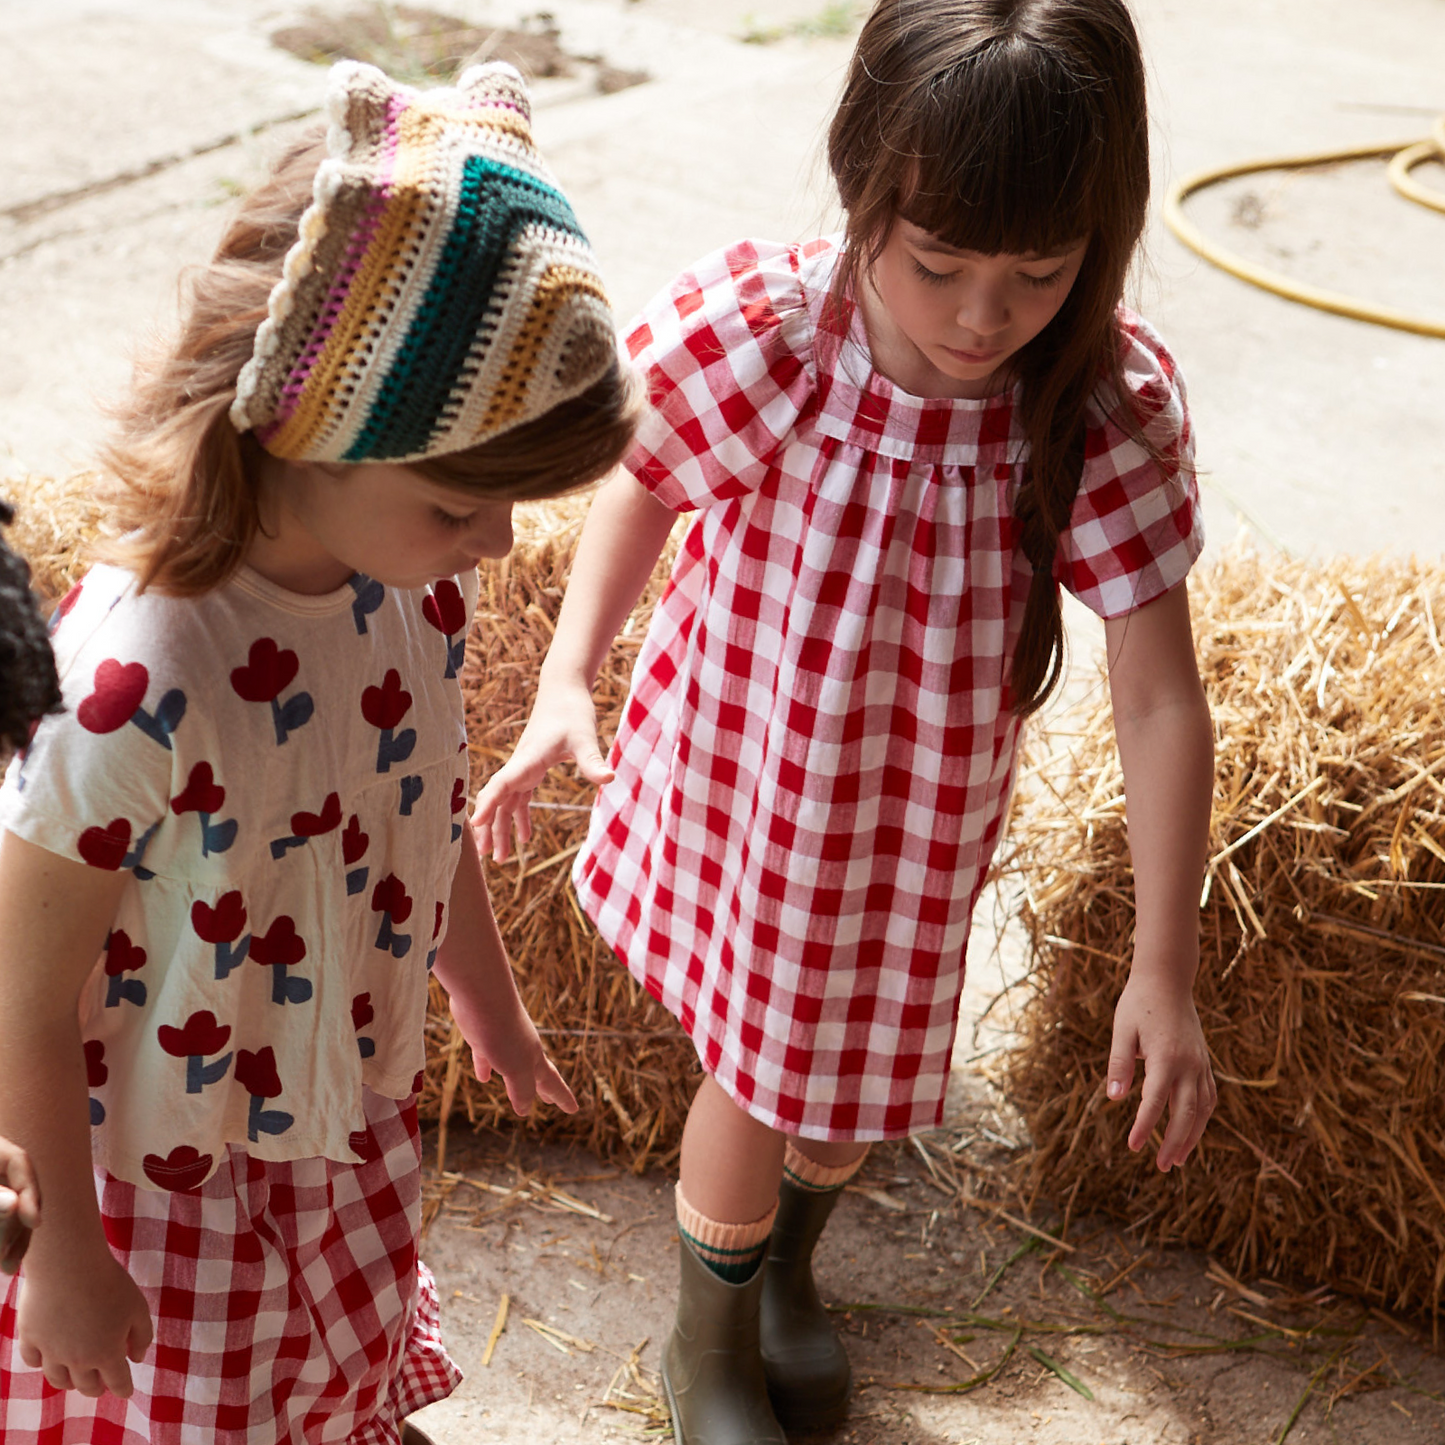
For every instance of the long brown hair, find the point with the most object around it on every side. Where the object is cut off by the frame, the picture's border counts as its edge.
(183, 483)
(1009, 126)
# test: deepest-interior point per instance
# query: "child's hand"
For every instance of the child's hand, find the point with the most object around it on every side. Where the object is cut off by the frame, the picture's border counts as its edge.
(1156, 1021)
(512, 1048)
(19, 1205)
(563, 725)
(81, 1320)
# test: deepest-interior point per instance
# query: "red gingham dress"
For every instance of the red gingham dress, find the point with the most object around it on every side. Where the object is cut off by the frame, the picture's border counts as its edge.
(815, 760)
(289, 1303)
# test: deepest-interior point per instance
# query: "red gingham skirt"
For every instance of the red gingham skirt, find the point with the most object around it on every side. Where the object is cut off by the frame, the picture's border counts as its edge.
(298, 1308)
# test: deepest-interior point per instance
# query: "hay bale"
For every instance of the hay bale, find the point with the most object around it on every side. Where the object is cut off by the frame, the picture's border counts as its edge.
(1322, 982)
(56, 519)
(629, 1064)
(631, 1068)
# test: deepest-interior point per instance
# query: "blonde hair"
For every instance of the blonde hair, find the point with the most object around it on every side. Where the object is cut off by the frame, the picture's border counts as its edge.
(182, 483)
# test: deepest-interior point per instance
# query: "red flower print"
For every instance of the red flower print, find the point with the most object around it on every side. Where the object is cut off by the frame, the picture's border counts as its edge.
(121, 955)
(281, 945)
(459, 795)
(312, 825)
(106, 847)
(96, 1072)
(353, 841)
(222, 924)
(362, 1012)
(201, 1035)
(385, 706)
(445, 608)
(268, 671)
(256, 1073)
(441, 913)
(201, 794)
(120, 688)
(181, 1171)
(390, 896)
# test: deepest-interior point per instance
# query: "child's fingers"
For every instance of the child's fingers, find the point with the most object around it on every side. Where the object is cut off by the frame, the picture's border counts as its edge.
(140, 1339)
(593, 766)
(1152, 1102)
(1187, 1121)
(115, 1378)
(1123, 1051)
(24, 1184)
(552, 1087)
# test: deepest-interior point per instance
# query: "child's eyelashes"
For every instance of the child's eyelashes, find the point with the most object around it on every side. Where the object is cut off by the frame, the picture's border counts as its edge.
(934, 278)
(942, 278)
(450, 522)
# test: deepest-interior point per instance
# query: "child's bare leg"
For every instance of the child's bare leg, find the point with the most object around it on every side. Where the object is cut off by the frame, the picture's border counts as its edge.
(731, 1164)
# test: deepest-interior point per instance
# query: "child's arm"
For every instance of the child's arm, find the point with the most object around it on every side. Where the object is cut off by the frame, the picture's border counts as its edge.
(1166, 745)
(621, 540)
(472, 966)
(19, 1205)
(80, 1315)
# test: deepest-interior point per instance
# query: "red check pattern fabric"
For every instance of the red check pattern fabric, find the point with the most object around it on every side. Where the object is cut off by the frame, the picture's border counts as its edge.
(288, 1299)
(816, 757)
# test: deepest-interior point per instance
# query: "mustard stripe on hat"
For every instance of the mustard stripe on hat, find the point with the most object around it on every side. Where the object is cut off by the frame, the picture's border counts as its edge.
(440, 290)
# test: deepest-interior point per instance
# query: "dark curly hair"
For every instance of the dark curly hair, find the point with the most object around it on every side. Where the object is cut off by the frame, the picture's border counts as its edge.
(28, 686)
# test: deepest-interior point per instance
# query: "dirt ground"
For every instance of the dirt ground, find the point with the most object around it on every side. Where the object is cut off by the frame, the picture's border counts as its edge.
(964, 1324)
(969, 1319)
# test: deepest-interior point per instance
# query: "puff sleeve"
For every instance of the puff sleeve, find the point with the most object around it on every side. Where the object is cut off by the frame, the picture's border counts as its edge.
(1137, 526)
(725, 353)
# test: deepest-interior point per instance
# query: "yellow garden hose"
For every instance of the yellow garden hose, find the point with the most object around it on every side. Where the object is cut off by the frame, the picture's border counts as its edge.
(1405, 156)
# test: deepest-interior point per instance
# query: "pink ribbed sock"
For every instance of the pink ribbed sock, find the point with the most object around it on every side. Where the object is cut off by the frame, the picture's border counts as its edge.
(732, 1251)
(798, 1169)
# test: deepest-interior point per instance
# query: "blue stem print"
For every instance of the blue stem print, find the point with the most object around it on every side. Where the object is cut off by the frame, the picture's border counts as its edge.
(132, 860)
(160, 724)
(456, 654)
(287, 987)
(294, 713)
(369, 596)
(412, 788)
(127, 990)
(231, 956)
(356, 880)
(216, 837)
(431, 959)
(365, 1046)
(387, 937)
(394, 748)
(199, 1073)
(281, 846)
(261, 1120)
(97, 1113)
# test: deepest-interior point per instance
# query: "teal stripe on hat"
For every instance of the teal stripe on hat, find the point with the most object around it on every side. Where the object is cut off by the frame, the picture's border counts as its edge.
(495, 203)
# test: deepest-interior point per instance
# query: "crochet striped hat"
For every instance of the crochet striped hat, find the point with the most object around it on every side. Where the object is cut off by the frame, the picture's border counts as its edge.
(440, 290)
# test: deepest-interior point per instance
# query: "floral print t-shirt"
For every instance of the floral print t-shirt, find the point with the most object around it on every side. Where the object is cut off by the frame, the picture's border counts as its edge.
(284, 779)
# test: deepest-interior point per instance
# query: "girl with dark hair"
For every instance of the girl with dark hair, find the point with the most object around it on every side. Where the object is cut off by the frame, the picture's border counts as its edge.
(899, 443)
(228, 867)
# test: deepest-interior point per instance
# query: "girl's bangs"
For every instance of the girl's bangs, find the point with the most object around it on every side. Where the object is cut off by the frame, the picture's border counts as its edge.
(1005, 157)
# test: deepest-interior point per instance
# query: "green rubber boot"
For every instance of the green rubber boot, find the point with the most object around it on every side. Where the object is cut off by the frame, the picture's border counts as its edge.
(711, 1369)
(803, 1358)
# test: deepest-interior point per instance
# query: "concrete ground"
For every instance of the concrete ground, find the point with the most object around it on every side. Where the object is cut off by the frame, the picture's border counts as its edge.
(134, 122)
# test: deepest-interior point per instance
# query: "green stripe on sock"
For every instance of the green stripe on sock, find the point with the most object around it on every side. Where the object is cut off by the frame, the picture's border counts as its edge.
(736, 1266)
